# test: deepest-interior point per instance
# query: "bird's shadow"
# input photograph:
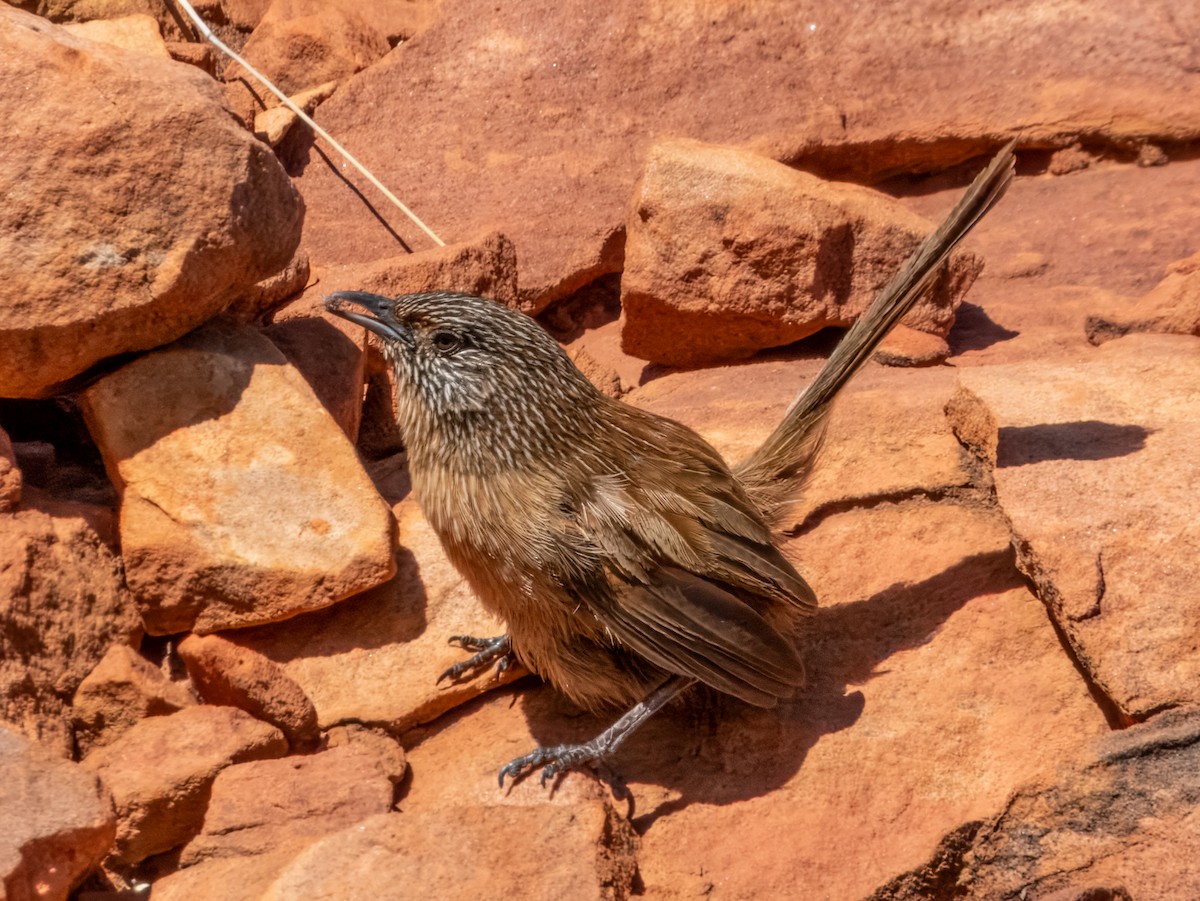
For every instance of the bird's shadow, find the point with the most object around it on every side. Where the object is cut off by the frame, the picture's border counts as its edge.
(711, 749)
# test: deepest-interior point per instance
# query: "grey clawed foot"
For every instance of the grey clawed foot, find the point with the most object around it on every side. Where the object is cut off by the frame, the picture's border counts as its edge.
(487, 651)
(553, 761)
(564, 758)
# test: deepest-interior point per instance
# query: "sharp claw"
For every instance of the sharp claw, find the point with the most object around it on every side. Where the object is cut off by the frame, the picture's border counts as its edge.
(509, 770)
(452, 672)
(486, 651)
(553, 761)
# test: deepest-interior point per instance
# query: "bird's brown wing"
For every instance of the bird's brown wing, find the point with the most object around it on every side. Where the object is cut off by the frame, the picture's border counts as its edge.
(694, 627)
(678, 566)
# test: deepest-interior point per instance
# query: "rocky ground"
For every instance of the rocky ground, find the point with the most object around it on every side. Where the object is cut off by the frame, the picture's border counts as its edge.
(222, 612)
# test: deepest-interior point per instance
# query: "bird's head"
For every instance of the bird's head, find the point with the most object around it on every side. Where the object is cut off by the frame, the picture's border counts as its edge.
(470, 370)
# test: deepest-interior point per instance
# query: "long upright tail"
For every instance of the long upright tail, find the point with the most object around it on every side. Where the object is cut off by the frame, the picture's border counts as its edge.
(776, 472)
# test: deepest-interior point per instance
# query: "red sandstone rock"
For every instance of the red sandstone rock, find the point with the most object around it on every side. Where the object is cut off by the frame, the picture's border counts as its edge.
(536, 117)
(1173, 306)
(887, 438)
(231, 878)
(587, 853)
(109, 10)
(202, 56)
(1122, 826)
(486, 266)
(603, 377)
(10, 475)
(256, 302)
(376, 659)
(587, 846)
(273, 124)
(382, 748)
(1043, 280)
(63, 604)
(242, 501)
(331, 362)
(160, 772)
(228, 674)
(138, 33)
(729, 252)
(123, 689)
(125, 224)
(56, 822)
(936, 687)
(905, 346)
(278, 811)
(1095, 468)
(299, 44)
(603, 343)
(244, 15)
(256, 807)
(379, 437)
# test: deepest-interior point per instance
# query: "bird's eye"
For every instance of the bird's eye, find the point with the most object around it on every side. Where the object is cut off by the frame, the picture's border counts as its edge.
(446, 342)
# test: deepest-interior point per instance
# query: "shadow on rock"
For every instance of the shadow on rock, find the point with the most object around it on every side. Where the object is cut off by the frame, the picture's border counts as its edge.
(715, 750)
(1085, 440)
(974, 329)
(392, 613)
(297, 152)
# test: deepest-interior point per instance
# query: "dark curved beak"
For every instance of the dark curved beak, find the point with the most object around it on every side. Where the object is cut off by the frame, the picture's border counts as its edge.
(375, 316)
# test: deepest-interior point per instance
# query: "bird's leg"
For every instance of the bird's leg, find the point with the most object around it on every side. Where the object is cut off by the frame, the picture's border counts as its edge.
(564, 758)
(496, 650)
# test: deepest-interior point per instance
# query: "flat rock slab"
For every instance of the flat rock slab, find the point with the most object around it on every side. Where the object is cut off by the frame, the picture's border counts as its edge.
(937, 686)
(261, 805)
(459, 854)
(1096, 468)
(56, 821)
(1043, 281)
(429, 851)
(590, 842)
(456, 836)
(242, 501)
(376, 659)
(137, 32)
(1172, 306)
(486, 266)
(135, 206)
(536, 117)
(729, 252)
(1123, 826)
(300, 44)
(887, 438)
(161, 771)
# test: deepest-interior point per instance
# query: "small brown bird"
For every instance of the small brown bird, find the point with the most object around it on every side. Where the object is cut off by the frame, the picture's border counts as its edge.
(627, 559)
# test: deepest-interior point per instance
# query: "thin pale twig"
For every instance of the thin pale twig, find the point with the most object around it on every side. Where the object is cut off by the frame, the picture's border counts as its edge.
(304, 117)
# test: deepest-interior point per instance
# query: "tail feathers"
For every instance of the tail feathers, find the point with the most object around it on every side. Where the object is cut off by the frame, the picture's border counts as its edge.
(775, 472)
